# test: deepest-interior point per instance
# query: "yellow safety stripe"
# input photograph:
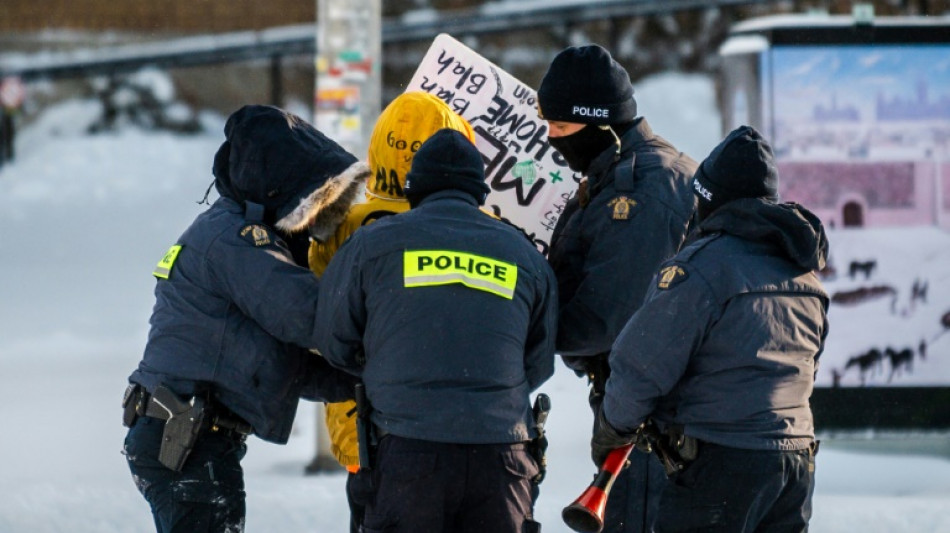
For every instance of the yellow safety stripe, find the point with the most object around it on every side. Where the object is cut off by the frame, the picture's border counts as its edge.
(164, 267)
(422, 268)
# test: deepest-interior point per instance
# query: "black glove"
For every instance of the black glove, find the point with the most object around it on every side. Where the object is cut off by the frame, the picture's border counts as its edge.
(606, 439)
(580, 364)
(586, 366)
(325, 383)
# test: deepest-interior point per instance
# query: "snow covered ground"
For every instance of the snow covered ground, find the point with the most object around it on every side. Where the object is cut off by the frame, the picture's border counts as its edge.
(84, 219)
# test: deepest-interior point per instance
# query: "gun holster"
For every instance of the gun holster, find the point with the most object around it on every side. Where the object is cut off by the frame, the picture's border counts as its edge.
(598, 371)
(185, 421)
(675, 449)
(365, 430)
(538, 446)
(133, 404)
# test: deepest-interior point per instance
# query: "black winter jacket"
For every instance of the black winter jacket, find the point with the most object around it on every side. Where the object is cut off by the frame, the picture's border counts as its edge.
(612, 237)
(416, 305)
(233, 318)
(234, 315)
(728, 340)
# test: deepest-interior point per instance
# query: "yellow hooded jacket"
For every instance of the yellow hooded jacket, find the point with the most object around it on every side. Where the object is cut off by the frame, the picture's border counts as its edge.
(401, 128)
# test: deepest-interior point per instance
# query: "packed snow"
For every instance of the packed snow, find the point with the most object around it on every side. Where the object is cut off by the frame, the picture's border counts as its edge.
(86, 217)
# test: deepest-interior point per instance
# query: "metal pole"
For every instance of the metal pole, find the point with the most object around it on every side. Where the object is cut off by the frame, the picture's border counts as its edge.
(323, 461)
(348, 88)
(276, 81)
(346, 105)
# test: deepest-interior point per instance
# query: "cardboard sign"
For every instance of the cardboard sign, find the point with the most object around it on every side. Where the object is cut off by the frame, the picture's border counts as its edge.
(530, 182)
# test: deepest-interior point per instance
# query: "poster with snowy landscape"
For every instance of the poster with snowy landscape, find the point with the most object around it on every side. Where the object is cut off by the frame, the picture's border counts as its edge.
(862, 138)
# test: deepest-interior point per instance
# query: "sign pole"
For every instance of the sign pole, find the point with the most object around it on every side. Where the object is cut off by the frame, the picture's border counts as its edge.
(348, 85)
(346, 105)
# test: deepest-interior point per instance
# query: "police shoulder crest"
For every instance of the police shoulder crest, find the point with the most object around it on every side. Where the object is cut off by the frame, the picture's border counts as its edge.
(256, 234)
(621, 207)
(671, 276)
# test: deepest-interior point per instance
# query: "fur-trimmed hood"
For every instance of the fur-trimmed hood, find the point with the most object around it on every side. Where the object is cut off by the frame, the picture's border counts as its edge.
(277, 160)
(326, 207)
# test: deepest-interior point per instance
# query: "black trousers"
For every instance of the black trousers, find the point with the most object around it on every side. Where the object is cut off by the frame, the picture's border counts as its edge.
(432, 487)
(359, 492)
(740, 491)
(207, 496)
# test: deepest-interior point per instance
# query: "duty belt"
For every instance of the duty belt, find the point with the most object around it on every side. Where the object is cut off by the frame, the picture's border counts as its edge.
(218, 419)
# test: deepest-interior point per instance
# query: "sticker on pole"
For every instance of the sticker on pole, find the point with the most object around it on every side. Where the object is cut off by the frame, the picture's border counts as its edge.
(530, 182)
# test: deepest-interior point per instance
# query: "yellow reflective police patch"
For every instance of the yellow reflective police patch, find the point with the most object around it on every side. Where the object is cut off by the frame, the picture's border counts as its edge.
(164, 268)
(256, 235)
(422, 268)
(622, 207)
(670, 276)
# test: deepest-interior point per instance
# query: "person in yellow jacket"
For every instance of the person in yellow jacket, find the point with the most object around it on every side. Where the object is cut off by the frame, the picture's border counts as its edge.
(400, 130)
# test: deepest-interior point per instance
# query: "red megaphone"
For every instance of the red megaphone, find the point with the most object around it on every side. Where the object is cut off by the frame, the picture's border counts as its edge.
(586, 514)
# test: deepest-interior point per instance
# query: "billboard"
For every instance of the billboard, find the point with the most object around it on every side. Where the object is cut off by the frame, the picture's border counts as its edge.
(859, 117)
(862, 136)
(863, 132)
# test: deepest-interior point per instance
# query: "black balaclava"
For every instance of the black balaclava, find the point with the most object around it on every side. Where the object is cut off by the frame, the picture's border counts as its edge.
(582, 146)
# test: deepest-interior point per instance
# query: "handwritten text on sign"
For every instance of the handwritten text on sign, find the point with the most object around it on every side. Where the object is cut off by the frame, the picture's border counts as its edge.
(530, 181)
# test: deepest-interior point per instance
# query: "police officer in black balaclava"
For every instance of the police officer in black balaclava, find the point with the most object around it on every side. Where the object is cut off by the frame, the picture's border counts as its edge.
(631, 212)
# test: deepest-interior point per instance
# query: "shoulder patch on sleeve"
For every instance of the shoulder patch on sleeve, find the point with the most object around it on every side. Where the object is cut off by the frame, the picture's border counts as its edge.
(256, 234)
(164, 267)
(671, 276)
(622, 207)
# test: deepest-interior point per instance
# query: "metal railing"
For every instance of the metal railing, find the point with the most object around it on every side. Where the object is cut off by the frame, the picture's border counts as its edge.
(275, 43)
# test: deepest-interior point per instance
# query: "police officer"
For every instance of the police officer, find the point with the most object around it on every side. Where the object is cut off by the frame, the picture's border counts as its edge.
(449, 316)
(723, 354)
(399, 132)
(227, 354)
(630, 213)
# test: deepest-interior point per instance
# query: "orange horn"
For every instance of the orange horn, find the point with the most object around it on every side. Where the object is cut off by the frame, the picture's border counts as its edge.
(586, 514)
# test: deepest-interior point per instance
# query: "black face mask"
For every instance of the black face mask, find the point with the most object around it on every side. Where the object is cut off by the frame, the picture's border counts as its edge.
(703, 210)
(582, 146)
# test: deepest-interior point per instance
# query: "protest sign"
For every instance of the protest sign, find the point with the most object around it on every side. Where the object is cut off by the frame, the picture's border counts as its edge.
(530, 182)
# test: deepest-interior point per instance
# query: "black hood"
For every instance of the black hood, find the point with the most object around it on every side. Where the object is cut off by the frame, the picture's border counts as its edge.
(277, 160)
(789, 226)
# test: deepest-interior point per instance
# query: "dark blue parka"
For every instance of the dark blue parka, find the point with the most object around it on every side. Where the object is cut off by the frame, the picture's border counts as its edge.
(612, 237)
(445, 357)
(727, 342)
(234, 315)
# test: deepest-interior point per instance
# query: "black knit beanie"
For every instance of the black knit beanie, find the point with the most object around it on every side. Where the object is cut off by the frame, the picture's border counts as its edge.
(584, 84)
(741, 166)
(447, 160)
